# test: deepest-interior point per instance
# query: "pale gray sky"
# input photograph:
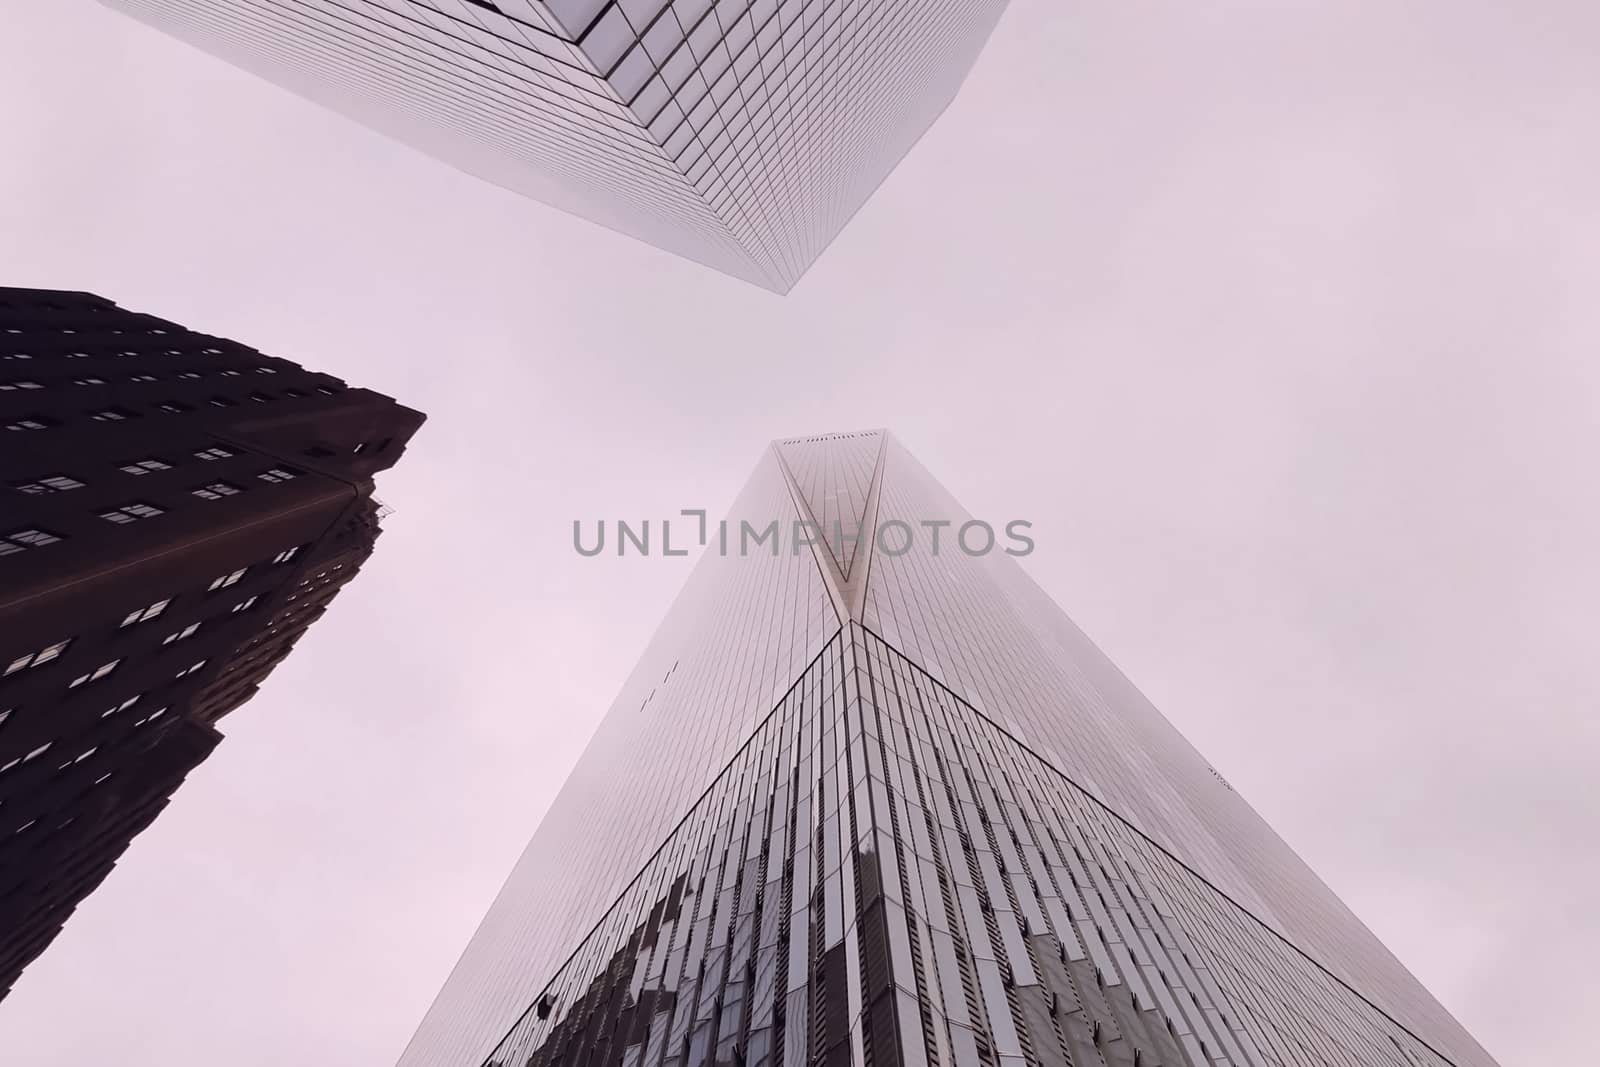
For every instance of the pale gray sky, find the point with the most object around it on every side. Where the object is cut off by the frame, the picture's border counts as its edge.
(1277, 319)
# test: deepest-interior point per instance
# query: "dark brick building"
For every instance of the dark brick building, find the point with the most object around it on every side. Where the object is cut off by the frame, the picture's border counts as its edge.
(175, 510)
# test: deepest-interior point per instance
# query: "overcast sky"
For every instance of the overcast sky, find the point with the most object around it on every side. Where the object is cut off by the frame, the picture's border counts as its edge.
(1277, 319)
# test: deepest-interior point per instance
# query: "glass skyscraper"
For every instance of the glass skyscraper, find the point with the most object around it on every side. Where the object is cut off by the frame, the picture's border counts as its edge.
(741, 134)
(871, 799)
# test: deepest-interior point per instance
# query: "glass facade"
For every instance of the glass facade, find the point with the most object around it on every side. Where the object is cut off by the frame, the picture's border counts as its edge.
(871, 801)
(742, 134)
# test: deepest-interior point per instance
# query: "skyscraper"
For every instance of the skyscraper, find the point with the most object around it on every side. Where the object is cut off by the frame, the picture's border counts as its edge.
(176, 510)
(742, 134)
(879, 802)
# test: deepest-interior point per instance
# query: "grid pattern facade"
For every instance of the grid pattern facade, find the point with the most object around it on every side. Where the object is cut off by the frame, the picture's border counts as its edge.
(882, 876)
(957, 836)
(178, 510)
(742, 134)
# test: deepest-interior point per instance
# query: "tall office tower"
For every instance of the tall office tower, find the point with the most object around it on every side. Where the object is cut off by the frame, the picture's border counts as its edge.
(741, 134)
(175, 510)
(879, 803)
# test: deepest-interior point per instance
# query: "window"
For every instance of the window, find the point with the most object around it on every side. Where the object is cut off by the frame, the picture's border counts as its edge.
(31, 422)
(190, 669)
(216, 491)
(286, 555)
(260, 398)
(55, 483)
(230, 373)
(151, 717)
(143, 614)
(325, 391)
(131, 513)
(223, 402)
(10, 386)
(143, 378)
(111, 415)
(266, 370)
(296, 393)
(179, 635)
(189, 374)
(145, 466)
(35, 754)
(21, 540)
(124, 706)
(227, 579)
(243, 605)
(79, 758)
(213, 453)
(94, 675)
(39, 658)
(173, 407)
(278, 474)
(88, 381)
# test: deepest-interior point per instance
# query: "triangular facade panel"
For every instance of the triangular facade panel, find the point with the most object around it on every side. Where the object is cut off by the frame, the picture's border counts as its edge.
(743, 135)
(939, 829)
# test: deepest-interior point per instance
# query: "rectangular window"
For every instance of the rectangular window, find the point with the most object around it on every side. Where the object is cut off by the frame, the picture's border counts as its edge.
(145, 466)
(79, 758)
(39, 658)
(55, 483)
(190, 669)
(286, 555)
(131, 513)
(31, 422)
(124, 706)
(22, 540)
(244, 605)
(216, 491)
(111, 415)
(10, 386)
(213, 453)
(88, 381)
(135, 617)
(94, 675)
(227, 579)
(173, 407)
(278, 474)
(179, 635)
